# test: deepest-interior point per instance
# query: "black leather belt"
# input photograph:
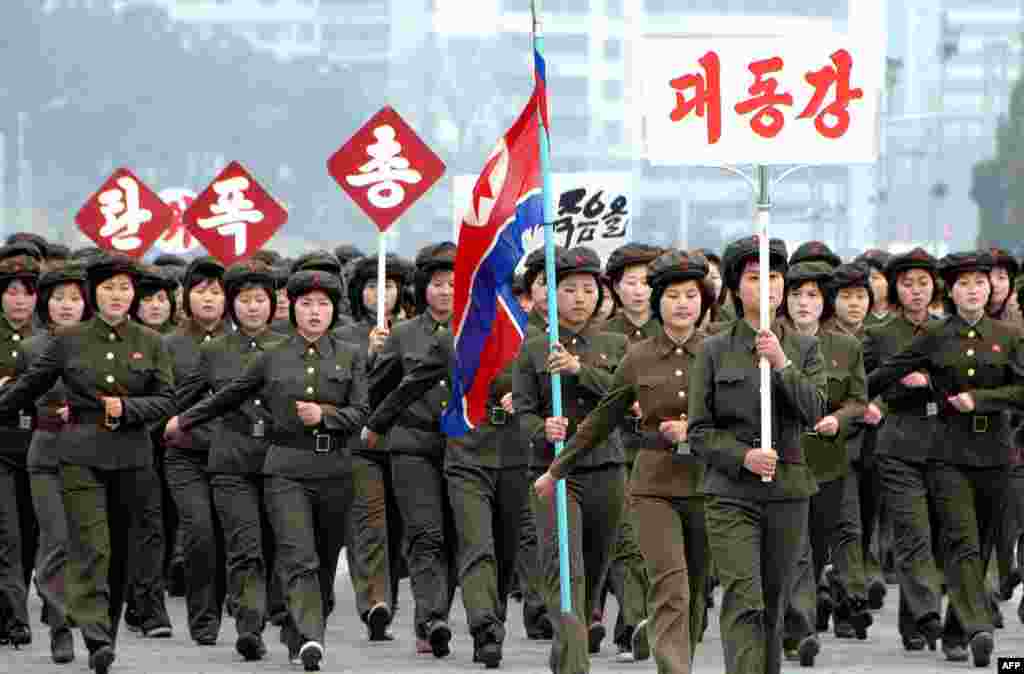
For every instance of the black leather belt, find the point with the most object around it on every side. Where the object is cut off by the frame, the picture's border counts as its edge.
(94, 418)
(318, 443)
(413, 424)
(655, 440)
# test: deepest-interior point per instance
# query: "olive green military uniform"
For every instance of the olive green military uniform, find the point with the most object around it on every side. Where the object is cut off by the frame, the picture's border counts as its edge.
(239, 444)
(100, 464)
(969, 458)
(755, 528)
(902, 450)
(664, 485)
(834, 510)
(19, 531)
(189, 481)
(416, 446)
(596, 487)
(308, 486)
(627, 577)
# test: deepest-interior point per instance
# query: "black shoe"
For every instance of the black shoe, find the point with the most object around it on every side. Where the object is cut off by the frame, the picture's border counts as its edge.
(860, 618)
(876, 595)
(101, 659)
(790, 649)
(132, 619)
(982, 645)
(543, 630)
(20, 635)
(311, 654)
(843, 629)
(439, 635)
(1008, 585)
(914, 642)
(825, 607)
(378, 620)
(489, 654)
(954, 652)
(808, 650)
(931, 630)
(158, 627)
(641, 644)
(595, 636)
(62, 646)
(176, 580)
(205, 640)
(250, 646)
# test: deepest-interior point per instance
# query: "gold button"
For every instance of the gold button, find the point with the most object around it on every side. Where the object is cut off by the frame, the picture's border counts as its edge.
(970, 352)
(679, 373)
(573, 340)
(309, 389)
(682, 394)
(311, 370)
(444, 403)
(16, 337)
(970, 373)
(972, 334)
(252, 345)
(113, 336)
(14, 354)
(110, 355)
(444, 383)
(679, 351)
(312, 351)
(257, 402)
(110, 379)
(206, 339)
(637, 333)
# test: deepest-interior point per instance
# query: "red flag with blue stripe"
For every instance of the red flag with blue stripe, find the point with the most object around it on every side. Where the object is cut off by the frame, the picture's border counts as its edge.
(488, 325)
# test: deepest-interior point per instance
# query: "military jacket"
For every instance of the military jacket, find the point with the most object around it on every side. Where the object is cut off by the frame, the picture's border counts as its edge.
(415, 428)
(94, 359)
(908, 424)
(873, 319)
(599, 353)
(329, 372)
(986, 360)
(620, 324)
(14, 441)
(655, 372)
(725, 412)
(44, 450)
(846, 393)
(183, 344)
(239, 440)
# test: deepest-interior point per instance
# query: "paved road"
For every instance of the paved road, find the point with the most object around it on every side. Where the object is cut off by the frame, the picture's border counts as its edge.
(348, 651)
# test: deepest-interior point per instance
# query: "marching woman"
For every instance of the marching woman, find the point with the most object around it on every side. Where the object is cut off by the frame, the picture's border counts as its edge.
(19, 273)
(975, 368)
(156, 306)
(187, 457)
(376, 545)
(908, 412)
(238, 448)
(666, 475)
(118, 379)
(586, 359)
(62, 304)
(877, 262)
(827, 450)
(1004, 271)
(755, 528)
(314, 386)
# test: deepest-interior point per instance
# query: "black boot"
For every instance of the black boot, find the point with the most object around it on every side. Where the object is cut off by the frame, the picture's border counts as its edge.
(62, 645)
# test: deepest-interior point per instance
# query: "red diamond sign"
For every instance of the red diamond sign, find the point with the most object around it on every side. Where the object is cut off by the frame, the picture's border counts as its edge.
(234, 216)
(124, 215)
(385, 167)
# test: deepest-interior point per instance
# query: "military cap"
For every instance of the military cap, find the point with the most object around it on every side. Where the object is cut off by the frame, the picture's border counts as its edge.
(307, 281)
(535, 262)
(875, 258)
(169, 260)
(21, 249)
(153, 279)
(674, 266)
(40, 244)
(271, 258)
(711, 256)
(955, 264)
(629, 255)
(802, 272)
(364, 271)
(578, 260)
(851, 275)
(87, 254)
(436, 256)
(741, 251)
(346, 252)
(109, 266)
(1002, 258)
(200, 269)
(815, 251)
(57, 251)
(49, 280)
(318, 260)
(249, 272)
(281, 276)
(917, 258)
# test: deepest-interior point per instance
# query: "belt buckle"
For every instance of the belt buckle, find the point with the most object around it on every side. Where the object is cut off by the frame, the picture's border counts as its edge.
(111, 423)
(931, 409)
(980, 423)
(258, 429)
(497, 416)
(324, 443)
(635, 424)
(24, 422)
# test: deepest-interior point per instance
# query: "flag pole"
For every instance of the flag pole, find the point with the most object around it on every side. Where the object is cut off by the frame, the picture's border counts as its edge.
(556, 383)
(382, 294)
(762, 220)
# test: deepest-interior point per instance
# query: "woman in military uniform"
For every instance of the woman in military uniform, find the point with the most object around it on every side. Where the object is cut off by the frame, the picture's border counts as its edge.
(666, 476)
(157, 303)
(826, 447)
(61, 304)
(19, 535)
(416, 447)
(755, 527)
(314, 386)
(975, 368)
(586, 359)
(903, 448)
(118, 379)
(187, 457)
(376, 539)
(1004, 271)
(877, 262)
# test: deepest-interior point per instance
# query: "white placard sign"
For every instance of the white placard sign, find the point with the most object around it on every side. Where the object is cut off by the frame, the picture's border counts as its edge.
(591, 209)
(714, 100)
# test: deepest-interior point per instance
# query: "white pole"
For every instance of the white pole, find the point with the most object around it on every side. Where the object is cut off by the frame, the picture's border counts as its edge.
(763, 219)
(382, 289)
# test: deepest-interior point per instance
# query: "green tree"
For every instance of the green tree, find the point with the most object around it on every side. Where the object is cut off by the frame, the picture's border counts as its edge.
(998, 183)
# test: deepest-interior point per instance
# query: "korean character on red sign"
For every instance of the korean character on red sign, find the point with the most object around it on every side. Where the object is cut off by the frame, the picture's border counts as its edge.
(385, 171)
(707, 96)
(768, 122)
(837, 74)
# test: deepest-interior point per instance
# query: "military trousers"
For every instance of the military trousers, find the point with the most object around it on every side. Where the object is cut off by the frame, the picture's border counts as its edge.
(52, 554)
(147, 568)
(905, 492)
(18, 542)
(869, 498)
(969, 503)
(376, 536)
(101, 540)
(594, 501)
(673, 538)
(304, 515)
(428, 535)
(627, 575)
(756, 546)
(843, 539)
(528, 572)
(248, 548)
(1011, 525)
(486, 504)
(203, 540)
